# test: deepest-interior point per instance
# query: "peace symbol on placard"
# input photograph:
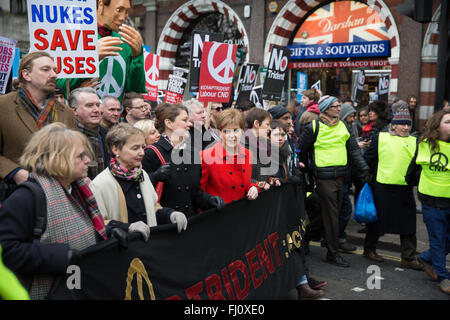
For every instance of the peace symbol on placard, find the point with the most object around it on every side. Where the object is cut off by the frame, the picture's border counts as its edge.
(108, 83)
(439, 159)
(152, 74)
(226, 66)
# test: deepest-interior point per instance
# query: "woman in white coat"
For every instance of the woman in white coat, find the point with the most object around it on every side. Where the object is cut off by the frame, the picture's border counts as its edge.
(124, 193)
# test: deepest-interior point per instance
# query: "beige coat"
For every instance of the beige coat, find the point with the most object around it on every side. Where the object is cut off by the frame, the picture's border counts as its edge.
(16, 127)
(111, 200)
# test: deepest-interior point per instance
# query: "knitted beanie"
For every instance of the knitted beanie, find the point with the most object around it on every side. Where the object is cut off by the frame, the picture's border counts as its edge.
(278, 111)
(324, 104)
(346, 110)
(401, 117)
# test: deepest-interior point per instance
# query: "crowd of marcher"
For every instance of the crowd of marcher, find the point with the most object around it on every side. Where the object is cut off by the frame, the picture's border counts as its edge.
(77, 171)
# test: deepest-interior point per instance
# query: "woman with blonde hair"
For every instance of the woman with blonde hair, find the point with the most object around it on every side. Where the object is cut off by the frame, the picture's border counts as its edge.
(124, 191)
(147, 126)
(57, 159)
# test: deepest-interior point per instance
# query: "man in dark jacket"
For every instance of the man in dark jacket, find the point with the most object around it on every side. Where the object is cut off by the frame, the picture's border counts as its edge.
(329, 145)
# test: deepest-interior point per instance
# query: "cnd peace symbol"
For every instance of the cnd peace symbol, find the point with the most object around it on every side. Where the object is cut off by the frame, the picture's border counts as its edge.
(226, 66)
(110, 85)
(439, 160)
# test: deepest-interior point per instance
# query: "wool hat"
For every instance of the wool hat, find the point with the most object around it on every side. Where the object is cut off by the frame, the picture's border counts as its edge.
(346, 110)
(278, 111)
(402, 116)
(324, 104)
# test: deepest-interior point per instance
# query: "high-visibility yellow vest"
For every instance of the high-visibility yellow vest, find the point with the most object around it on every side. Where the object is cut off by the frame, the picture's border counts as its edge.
(435, 177)
(329, 148)
(394, 156)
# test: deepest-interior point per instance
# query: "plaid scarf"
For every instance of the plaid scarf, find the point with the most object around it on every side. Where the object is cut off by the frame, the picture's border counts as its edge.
(42, 115)
(98, 164)
(68, 221)
(123, 173)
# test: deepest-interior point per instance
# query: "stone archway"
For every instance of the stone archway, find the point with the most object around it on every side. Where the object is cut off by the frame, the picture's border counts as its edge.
(428, 68)
(179, 22)
(294, 11)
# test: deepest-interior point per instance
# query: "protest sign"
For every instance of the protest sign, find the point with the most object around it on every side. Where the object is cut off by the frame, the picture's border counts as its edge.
(316, 85)
(247, 250)
(68, 31)
(383, 88)
(151, 65)
(276, 74)
(255, 96)
(197, 40)
(216, 72)
(302, 84)
(358, 87)
(175, 89)
(7, 50)
(247, 80)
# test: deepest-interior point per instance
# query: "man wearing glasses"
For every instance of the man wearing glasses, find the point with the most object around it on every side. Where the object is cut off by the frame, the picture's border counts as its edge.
(135, 107)
(329, 148)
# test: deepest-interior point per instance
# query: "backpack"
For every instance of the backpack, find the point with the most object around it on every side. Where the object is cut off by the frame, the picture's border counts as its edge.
(40, 208)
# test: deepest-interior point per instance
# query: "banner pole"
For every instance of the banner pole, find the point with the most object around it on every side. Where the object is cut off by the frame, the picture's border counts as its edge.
(208, 115)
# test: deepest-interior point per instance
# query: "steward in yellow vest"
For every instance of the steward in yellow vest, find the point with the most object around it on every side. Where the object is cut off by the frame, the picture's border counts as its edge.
(389, 156)
(326, 146)
(430, 170)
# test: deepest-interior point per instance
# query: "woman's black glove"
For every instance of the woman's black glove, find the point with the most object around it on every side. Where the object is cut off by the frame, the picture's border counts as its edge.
(74, 256)
(161, 174)
(121, 236)
(216, 202)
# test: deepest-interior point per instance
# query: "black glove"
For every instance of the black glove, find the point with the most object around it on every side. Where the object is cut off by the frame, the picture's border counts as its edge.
(216, 202)
(73, 256)
(161, 174)
(121, 236)
(295, 180)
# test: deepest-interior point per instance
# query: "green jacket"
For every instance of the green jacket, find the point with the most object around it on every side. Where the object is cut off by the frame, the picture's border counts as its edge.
(10, 287)
(118, 75)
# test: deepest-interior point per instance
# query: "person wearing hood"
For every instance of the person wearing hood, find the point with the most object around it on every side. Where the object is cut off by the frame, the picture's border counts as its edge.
(389, 156)
(310, 101)
(329, 145)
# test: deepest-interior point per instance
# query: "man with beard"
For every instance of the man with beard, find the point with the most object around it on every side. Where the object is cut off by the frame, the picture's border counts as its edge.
(86, 105)
(27, 110)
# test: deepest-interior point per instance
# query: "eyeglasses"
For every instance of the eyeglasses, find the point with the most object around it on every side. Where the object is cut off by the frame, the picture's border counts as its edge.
(219, 108)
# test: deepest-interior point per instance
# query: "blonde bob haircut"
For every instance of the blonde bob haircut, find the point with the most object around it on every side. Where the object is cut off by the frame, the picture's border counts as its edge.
(145, 125)
(119, 134)
(52, 150)
(230, 117)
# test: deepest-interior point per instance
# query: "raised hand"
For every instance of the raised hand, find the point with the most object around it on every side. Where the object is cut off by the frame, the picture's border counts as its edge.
(108, 46)
(133, 38)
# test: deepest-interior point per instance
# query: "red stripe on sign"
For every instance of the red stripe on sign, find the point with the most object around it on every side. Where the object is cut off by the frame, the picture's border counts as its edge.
(194, 10)
(168, 54)
(279, 31)
(292, 18)
(176, 27)
(184, 17)
(171, 40)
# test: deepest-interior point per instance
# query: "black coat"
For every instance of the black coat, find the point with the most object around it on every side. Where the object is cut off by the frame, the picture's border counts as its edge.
(182, 190)
(396, 206)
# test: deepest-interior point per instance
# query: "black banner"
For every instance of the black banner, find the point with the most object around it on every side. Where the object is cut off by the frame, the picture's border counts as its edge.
(276, 73)
(244, 251)
(197, 40)
(358, 87)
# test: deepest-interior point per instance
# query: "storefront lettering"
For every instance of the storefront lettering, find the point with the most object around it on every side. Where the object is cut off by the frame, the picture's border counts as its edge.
(328, 26)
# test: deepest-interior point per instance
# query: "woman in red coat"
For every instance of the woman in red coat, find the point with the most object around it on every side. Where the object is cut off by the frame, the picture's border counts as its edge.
(227, 166)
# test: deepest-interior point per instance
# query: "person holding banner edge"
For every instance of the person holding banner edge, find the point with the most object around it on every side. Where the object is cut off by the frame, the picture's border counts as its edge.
(122, 43)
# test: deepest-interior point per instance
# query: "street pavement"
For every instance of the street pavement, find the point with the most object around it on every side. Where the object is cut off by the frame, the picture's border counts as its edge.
(360, 283)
